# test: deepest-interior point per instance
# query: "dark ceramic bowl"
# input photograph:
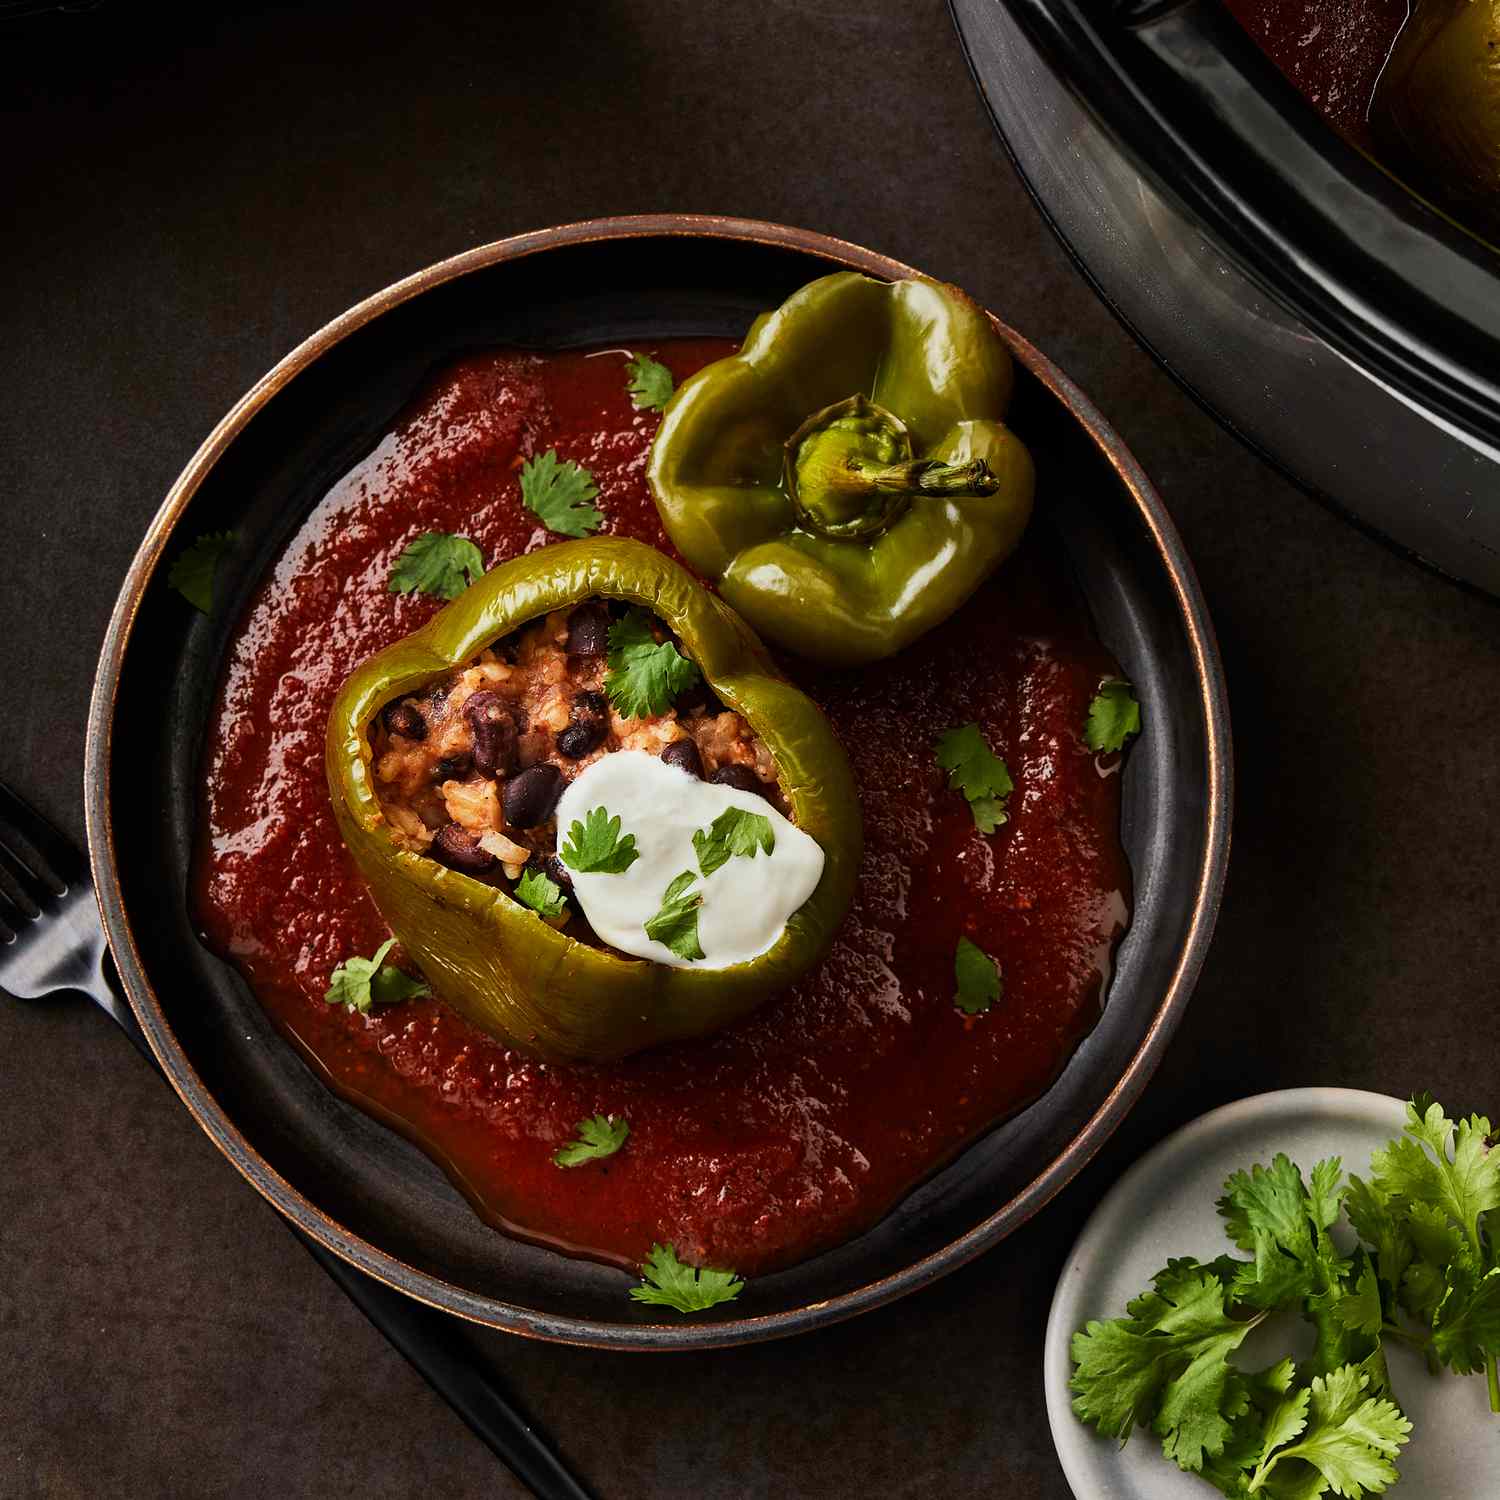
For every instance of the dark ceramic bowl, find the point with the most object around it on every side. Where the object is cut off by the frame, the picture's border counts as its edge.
(359, 1188)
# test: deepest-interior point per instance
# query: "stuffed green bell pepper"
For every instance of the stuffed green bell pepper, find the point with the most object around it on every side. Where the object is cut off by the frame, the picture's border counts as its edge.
(453, 757)
(847, 479)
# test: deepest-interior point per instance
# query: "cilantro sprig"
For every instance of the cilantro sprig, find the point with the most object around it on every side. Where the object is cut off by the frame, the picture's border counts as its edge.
(977, 977)
(438, 563)
(598, 1136)
(542, 894)
(1166, 1365)
(1432, 1209)
(976, 771)
(560, 494)
(645, 675)
(1114, 716)
(666, 1282)
(596, 846)
(1348, 1437)
(358, 983)
(676, 924)
(192, 573)
(735, 832)
(648, 381)
(1427, 1271)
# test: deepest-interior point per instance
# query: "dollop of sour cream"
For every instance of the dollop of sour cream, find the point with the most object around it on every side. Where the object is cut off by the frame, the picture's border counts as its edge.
(746, 901)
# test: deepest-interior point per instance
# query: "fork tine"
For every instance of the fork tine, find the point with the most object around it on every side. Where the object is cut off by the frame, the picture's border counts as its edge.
(36, 845)
(21, 893)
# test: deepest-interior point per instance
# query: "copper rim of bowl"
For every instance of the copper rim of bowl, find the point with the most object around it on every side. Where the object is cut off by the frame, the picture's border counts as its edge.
(508, 1317)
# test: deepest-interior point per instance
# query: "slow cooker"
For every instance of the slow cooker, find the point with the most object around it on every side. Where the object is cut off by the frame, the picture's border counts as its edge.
(1317, 306)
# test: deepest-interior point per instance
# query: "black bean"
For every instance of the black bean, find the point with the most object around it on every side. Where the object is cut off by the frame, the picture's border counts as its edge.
(698, 696)
(588, 630)
(531, 796)
(741, 778)
(495, 735)
(555, 870)
(579, 738)
(590, 725)
(684, 755)
(459, 850)
(453, 767)
(403, 717)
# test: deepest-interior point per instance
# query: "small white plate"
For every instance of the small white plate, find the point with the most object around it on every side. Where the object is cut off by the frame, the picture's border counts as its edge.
(1163, 1207)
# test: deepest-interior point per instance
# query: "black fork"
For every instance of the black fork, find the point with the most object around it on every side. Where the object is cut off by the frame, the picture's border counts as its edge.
(52, 942)
(51, 938)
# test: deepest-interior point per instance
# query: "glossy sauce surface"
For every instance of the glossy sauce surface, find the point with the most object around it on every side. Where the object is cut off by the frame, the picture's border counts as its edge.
(802, 1125)
(1333, 50)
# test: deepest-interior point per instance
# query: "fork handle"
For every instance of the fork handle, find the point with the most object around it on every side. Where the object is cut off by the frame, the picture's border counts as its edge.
(423, 1337)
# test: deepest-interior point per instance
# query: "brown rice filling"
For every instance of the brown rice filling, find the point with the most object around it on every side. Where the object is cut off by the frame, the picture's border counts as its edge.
(469, 770)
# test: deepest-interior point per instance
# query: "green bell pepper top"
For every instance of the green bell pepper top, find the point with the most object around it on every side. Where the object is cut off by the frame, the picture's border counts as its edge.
(846, 478)
(498, 962)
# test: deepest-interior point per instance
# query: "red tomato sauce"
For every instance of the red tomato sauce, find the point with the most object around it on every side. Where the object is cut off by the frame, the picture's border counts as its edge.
(1333, 50)
(805, 1123)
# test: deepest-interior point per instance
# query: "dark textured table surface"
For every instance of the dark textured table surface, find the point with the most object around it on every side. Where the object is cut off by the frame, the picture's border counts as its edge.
(183, 206)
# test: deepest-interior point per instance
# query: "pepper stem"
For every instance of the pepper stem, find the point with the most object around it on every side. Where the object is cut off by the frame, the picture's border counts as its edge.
(930, 476)
(850, 471)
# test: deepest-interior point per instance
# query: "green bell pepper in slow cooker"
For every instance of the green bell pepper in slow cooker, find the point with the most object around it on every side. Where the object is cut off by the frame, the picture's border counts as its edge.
(1438, 104)
(846, 478)
(498, 962)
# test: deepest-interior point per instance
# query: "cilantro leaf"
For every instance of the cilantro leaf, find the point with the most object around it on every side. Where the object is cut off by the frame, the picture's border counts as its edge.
(1360, 1310)
(1466, 1326)
(1325, 1193)
(1437, 1247)
(978, 978)
(733, 832)
(192, 574)
(1198, 1409)
(360, 982)
(1114, 716)
(649, 383)
(989, 813)
(1270, 1212)
(1432, 1234)
(560, 495)
(1229, 1470)
(1286, 1422)
(669, 1283)
(1349, 1438)
(594, 846)
(645, 676)
(1374, 1220)
(676, 924)
(543, 895)
(1339, 1343)
(1165, 1365)
(976, 771)
(439, 563)
(1464, 1178)
(598, 1136)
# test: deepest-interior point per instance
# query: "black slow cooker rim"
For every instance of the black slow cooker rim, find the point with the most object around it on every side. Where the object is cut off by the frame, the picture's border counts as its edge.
(1380, 275)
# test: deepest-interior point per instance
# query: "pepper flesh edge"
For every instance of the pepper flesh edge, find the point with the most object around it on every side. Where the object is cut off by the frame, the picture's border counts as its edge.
(494, 960)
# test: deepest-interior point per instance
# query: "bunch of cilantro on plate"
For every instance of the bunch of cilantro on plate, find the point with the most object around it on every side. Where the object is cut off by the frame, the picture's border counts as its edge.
(1426, 1271)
